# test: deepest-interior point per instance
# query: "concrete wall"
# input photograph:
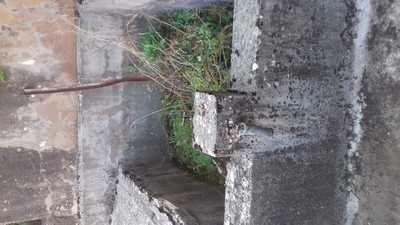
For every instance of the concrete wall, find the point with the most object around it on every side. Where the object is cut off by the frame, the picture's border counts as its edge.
(298, 63)
(38, 164)
(107, 137)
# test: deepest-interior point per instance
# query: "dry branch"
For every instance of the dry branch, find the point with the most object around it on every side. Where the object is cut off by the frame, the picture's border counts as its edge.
(81, 87)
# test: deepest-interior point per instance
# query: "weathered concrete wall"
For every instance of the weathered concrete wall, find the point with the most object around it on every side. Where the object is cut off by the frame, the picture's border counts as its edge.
(327, 73)
(164, 194)
(298, 63)
(38, 166)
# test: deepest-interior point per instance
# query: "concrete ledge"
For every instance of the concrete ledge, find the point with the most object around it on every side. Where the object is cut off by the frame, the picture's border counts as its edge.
(164, 194)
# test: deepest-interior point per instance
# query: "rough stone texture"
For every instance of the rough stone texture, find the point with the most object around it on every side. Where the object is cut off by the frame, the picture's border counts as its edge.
(38, 135)
(205, 123)
(286, 187)
(238, 184)
(245, 43)
(164, 194)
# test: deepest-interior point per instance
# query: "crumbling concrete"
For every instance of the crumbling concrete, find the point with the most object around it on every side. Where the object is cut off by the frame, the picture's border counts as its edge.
(164, 194)
(38, 134)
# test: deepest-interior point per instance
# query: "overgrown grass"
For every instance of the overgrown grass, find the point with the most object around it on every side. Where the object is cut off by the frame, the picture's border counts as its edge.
(187, 51)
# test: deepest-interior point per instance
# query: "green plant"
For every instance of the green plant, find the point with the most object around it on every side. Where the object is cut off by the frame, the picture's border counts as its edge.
(152, 44)
(3, 76)
(187, 51)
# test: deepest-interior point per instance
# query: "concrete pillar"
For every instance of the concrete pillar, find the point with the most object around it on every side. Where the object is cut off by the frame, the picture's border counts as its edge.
(377, 161)
(297, 60)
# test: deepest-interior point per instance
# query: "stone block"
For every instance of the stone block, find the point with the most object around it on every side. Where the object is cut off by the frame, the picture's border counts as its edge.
(223, 123)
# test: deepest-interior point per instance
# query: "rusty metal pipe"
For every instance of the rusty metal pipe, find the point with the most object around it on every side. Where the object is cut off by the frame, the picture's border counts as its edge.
(81, 87)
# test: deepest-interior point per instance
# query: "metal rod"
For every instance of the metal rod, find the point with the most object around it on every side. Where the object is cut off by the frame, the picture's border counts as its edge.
(81, 87)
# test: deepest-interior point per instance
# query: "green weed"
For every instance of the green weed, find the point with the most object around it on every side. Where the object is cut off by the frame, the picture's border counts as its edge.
(187, 51)
(3, 76)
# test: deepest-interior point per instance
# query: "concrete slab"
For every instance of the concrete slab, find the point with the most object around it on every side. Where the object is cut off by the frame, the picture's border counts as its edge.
(38, 134)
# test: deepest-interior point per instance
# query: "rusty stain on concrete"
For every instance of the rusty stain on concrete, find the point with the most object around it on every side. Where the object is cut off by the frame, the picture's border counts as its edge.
(37, 30)
(38, 47)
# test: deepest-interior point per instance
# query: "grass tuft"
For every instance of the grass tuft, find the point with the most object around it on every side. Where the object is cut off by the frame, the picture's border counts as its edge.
(187, 51)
